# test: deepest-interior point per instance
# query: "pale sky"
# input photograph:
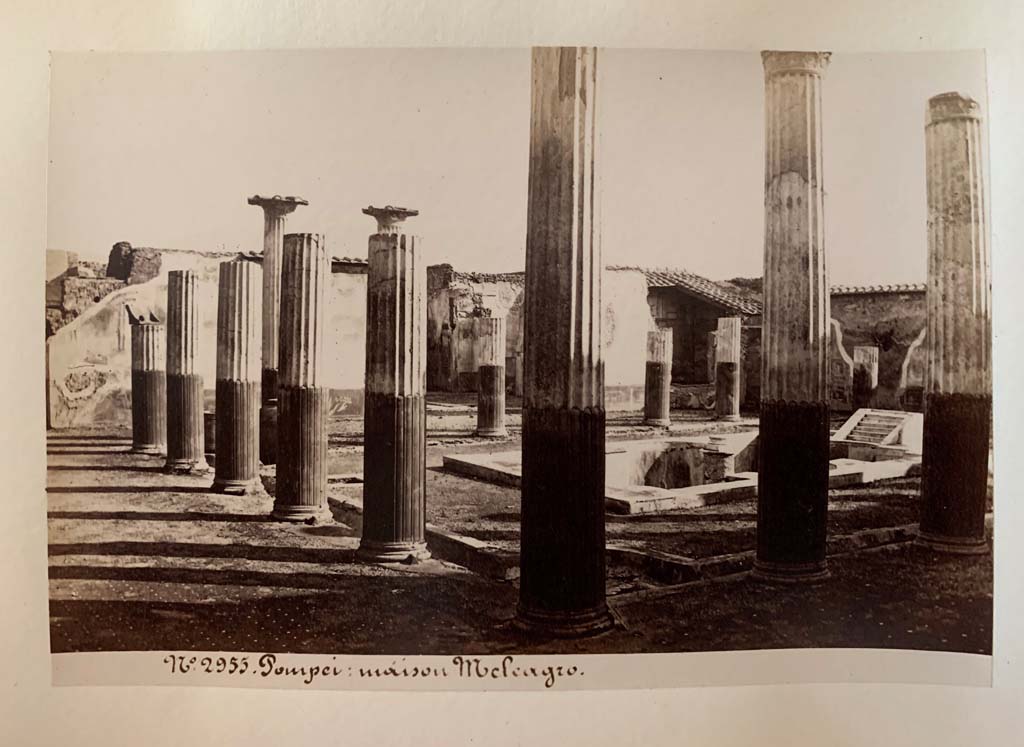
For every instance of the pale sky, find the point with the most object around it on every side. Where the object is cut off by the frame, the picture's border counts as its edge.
(163, 150)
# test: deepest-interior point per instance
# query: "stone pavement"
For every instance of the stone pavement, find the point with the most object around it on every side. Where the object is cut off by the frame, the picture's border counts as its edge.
(140, 560)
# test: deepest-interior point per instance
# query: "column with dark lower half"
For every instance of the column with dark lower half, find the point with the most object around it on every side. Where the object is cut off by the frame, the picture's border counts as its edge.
(658, 381)
(793, 444)
(958, 386)
(275, 212)
(562, 558)
(184, 385)
(394, 453)
(239, 299)
(490, 403)
(727, 368)
(302, 396)
(149, 387)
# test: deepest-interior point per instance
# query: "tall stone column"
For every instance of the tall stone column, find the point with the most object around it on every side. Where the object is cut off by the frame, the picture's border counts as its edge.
(793, 444)
(239, 301)
(727, 368)
(562, 557)
(185, 452)
(958, 385)
(658, 381)
(394, 452)
(302, 396)
(149, 387)
(275, 211)
(490, 403)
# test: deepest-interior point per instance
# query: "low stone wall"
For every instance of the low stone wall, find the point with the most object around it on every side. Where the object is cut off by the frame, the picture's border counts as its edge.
(89, 359)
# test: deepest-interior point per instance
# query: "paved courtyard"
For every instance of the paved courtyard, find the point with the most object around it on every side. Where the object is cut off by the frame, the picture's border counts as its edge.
(142, 560)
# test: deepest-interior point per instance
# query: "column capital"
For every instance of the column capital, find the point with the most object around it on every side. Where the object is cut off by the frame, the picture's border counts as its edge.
(390, 218)
(951, 105)
(277, 204)
(784, 62)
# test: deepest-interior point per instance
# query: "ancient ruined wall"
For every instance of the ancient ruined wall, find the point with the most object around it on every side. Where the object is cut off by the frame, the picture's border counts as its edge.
(89, 359)
(692, 321)
(68, 297)
(72, 286)
(453, 300)
(890, 321)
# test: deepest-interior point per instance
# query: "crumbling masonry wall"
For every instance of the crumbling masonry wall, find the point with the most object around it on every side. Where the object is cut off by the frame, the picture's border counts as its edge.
(89, 359)
(455, 298)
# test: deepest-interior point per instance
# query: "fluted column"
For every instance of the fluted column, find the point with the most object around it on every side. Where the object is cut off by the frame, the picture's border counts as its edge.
(658, 381)
(958, 387)
(239, 299)
(302, 394)
(184, 385)
(275, 211)
(490, 403)
(794, 435)
(149, 387)
(394, 454)
(727, 368)
(562, 558)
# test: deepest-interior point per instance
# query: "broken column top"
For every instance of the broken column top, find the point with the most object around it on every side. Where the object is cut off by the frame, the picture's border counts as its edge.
(390, 218)
(277, 202)
(781, 62)
(138, 319)
(951, 105)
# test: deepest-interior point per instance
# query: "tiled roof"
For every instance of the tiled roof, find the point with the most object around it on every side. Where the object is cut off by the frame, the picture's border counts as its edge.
(698, 286)
(849, 290)
(258, 257)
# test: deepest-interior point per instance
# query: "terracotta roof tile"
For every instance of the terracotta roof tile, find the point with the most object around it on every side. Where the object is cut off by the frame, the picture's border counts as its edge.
(849, 290)
(658, 277)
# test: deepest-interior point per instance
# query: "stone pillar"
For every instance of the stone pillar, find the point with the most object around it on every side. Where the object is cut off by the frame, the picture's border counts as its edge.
(237, 429)
(184, 385)
(958, 384)
(149, 387)
(394, 454)
(727, 367)
(793, 444)
(658, 381)
(490, 406)
(275, 212)
(562, 558)
(302, 397)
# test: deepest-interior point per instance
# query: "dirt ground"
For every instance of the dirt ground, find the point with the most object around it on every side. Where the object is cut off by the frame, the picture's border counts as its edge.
(140, 560)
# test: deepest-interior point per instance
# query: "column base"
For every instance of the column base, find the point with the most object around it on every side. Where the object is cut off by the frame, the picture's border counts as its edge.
(729, 418)
(658, 422)
(952, 545)
(569, 624)
(491, 433)
(790, 573)
(149, 449)
(302, 514)
(187, 467)
(239, 487)
(391, 552)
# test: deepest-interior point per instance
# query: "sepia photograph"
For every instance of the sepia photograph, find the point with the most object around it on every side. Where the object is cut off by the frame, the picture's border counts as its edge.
(465, 360)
